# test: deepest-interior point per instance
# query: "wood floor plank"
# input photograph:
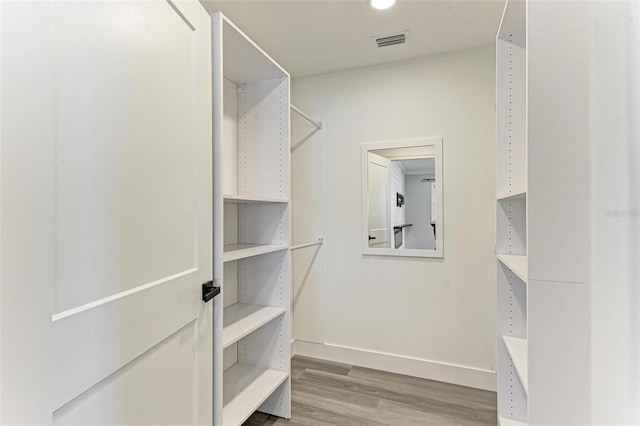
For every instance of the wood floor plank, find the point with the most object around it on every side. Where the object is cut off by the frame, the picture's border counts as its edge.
(328, 412)
(395, 414)
(388, 392)
(329, 393)
(340, 397)
(488, 414)
(427, 388)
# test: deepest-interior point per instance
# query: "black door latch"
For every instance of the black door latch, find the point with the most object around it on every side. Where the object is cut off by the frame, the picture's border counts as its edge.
(209, 291)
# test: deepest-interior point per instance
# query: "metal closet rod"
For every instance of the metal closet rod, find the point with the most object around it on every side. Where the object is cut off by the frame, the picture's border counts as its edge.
(306, 117)
(315, 243)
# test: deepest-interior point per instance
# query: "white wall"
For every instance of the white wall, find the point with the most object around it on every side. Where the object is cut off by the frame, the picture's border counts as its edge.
(307, 195)
(429, 317)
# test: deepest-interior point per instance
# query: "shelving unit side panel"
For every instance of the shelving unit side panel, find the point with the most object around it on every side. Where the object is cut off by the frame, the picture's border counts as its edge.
(263, 223)
(615, 293)
(230, 228)
(559, 153)
(511, 227)
(512, 322)
(264, 280)
(512, 398)
(230, 283)
(279, 404)
(263, 138)
(218, 214)
(268, 347)
(511, 118)
(230, 356)
(559, 353)
(230, 138)
(512, 304)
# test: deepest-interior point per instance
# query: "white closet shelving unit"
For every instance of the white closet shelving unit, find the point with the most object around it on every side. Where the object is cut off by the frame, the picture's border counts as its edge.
(543, 212)
(251, 229)
(511, 211)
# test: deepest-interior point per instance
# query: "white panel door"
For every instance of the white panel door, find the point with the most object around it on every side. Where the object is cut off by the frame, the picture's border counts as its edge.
(106, 213)
(379, 173)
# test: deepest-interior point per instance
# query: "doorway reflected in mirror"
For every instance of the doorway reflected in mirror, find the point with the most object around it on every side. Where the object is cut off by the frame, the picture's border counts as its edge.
(419, 183)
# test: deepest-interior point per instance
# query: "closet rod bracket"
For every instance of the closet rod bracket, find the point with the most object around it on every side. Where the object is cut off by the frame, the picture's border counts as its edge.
(315, 243)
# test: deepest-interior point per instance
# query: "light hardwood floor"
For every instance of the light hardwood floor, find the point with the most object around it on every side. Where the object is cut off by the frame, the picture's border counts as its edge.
(329, 393)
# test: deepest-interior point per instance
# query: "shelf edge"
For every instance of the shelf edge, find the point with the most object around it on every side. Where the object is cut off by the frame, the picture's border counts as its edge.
(513, 344)
(239, 419)
(277, 313)
(230, 256)
(504, 259)
(518, 195)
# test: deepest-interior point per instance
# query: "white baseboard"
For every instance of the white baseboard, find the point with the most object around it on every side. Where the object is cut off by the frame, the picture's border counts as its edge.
(426, 369)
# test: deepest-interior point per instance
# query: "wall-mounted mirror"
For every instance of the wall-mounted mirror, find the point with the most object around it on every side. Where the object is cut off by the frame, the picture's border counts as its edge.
(402, 213)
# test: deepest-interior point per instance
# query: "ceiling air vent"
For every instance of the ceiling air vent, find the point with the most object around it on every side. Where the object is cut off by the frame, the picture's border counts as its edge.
(391, 39)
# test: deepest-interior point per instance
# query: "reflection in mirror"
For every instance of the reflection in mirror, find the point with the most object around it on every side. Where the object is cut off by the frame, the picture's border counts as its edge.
(402, 189)
(417, 216)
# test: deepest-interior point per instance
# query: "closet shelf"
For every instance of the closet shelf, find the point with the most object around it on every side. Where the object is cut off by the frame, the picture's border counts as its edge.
(241, 251)
(245, 388)
(248, 199)
(243, 60)
(241, 319)
(518, 352)
(504, 421)
(513, 195)
(518, 264)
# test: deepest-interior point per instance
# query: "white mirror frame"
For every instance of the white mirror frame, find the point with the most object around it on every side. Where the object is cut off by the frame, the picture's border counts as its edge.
(408, 143)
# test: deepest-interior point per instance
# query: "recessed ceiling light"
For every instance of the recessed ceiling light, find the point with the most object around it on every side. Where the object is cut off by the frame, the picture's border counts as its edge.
(382, 4)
